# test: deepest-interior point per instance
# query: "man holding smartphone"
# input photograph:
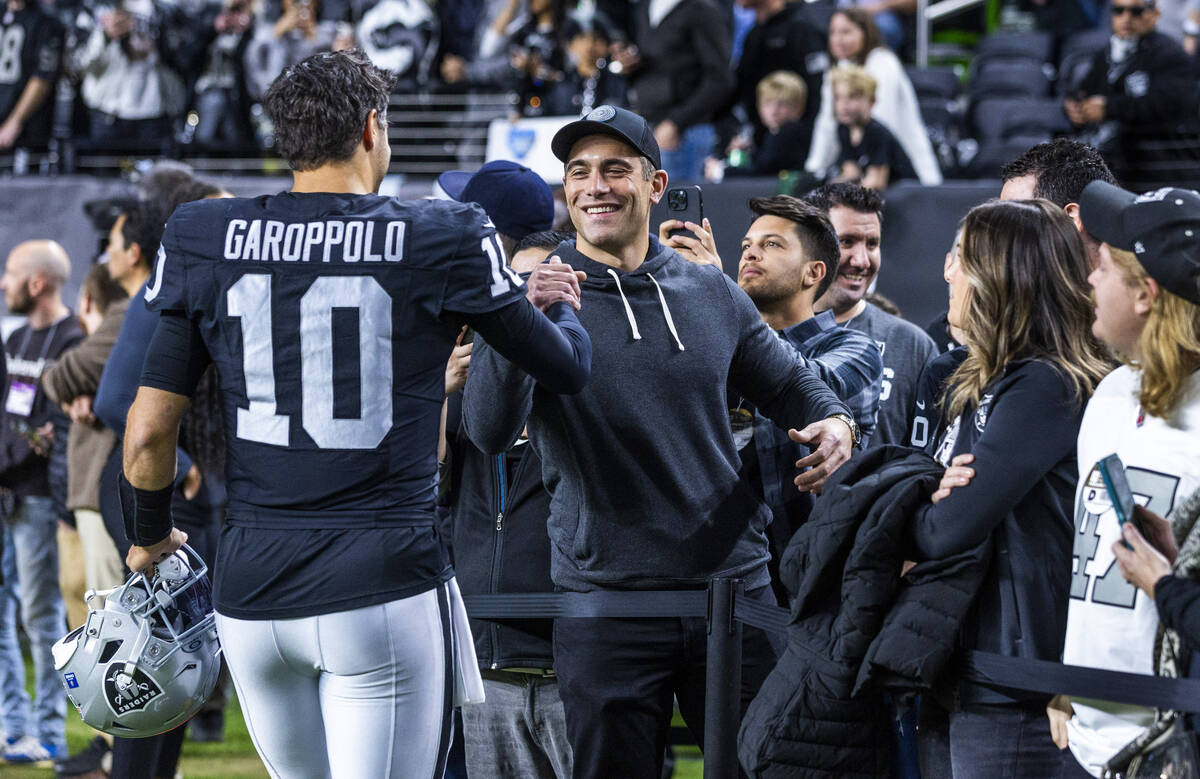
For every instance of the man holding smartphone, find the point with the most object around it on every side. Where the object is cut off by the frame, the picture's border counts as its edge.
(641, 465)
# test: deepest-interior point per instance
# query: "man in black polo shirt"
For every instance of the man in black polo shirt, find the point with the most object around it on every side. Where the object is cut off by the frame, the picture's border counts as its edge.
(31, 44)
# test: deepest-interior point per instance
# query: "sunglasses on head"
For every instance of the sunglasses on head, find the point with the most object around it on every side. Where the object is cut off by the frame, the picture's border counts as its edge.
(1133, 10)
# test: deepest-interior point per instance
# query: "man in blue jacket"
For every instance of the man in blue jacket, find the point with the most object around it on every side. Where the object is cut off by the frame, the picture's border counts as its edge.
(641, 465)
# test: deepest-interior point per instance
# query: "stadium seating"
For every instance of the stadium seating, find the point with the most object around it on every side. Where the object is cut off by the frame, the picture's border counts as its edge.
(1036, 46)
(1010, 78)
(1006, 118)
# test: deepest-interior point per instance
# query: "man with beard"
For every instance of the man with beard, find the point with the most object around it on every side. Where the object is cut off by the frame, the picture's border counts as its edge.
(789, 258)
(34, 275)
(856, 215)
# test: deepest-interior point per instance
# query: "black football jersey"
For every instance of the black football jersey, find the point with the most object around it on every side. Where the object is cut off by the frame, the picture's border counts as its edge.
(31, 44)
(330, 318)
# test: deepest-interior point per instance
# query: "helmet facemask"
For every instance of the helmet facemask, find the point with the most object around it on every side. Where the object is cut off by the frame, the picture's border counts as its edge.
(146, 660)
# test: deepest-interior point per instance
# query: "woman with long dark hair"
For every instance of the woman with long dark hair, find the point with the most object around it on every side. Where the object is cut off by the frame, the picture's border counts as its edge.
(1018, 290)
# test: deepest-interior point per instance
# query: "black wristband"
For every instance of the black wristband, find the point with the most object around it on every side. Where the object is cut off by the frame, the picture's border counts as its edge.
(147, 513)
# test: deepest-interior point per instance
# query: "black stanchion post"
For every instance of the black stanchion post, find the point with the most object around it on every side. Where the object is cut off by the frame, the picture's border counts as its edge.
(723, 681)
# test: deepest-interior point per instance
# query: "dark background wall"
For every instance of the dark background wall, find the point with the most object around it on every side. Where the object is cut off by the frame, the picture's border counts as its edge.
(918, 228)
(919, 225)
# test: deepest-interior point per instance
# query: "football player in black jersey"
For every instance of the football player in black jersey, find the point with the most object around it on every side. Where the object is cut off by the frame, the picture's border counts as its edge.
(31, 44)
(330, 312)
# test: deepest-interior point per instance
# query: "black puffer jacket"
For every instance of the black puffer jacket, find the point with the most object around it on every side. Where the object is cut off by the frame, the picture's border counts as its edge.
(856, 625)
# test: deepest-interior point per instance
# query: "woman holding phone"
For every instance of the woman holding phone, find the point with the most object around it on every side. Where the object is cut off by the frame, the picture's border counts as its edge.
(1017, 279)
(1148, 413)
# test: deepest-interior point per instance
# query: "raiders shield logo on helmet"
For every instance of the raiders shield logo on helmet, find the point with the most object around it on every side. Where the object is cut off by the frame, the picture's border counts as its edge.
(126, 693)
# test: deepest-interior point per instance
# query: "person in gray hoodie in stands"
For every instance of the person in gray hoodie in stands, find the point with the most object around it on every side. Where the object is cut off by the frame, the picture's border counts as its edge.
(641, 465)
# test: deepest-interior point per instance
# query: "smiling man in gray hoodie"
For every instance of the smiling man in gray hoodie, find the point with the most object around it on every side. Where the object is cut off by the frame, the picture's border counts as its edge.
(641, 465)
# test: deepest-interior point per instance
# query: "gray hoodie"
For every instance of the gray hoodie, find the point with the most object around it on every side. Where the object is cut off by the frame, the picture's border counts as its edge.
(641, 464)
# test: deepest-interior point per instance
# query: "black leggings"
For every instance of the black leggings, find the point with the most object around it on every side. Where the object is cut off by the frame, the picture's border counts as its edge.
(156, 757)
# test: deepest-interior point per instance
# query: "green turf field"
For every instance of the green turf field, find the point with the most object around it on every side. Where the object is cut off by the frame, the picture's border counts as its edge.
(235, 758)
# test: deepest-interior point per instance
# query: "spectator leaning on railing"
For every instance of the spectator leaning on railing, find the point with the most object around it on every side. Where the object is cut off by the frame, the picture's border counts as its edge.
(646, 492)
(1018, 291)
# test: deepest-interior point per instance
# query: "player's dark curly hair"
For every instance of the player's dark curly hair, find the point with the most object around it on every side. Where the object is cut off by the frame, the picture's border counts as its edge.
(817, 236)
(853, 196)
(320, 105)
(1062, 168)
(543, 239)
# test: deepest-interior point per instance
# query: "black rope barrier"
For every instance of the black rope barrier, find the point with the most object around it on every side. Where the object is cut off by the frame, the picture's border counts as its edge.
(609, 603)
(1024, 673)
(725, 611)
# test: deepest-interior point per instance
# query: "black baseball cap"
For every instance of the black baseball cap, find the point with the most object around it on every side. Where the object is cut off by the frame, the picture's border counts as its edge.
(1162, 228)
(620, 123)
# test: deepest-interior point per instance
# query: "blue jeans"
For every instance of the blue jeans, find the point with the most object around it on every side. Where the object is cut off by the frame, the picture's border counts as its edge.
(686, 162)
(1003, 741)
(891, 26)
(31, 578)
(14, 701)
(520, 730)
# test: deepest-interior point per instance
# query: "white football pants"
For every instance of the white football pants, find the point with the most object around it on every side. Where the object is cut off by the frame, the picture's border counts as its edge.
(360, 694)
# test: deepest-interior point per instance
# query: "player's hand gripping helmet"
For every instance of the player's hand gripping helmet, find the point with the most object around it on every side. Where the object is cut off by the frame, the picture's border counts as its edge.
(144, 663)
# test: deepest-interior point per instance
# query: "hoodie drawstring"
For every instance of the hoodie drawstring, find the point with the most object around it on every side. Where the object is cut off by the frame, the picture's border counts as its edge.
(637, 336)
(628, 309)
(667, 314)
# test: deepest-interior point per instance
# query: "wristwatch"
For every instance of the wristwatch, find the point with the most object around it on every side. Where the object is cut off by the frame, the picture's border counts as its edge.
(855, 433)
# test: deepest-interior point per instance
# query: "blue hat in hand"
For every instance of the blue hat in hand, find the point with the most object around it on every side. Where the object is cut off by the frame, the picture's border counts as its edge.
(513, 196)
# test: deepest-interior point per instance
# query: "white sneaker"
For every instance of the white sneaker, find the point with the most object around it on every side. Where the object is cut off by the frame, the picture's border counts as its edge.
(28, 749)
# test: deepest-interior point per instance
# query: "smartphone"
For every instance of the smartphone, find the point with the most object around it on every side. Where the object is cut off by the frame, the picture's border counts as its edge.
(1112, 472)
(687, 205)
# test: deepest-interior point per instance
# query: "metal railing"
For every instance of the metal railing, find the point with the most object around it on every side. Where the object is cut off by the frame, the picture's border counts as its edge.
(725, 609)
(428, 132)
(928, 13)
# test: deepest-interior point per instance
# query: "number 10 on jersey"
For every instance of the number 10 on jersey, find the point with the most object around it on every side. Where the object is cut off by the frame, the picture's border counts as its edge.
(249, 299)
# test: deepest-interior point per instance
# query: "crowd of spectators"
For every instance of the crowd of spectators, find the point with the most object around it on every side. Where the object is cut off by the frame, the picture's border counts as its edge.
(70, 378)
(161, 76)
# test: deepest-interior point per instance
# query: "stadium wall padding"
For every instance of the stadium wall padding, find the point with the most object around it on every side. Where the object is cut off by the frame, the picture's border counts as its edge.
(919, 225)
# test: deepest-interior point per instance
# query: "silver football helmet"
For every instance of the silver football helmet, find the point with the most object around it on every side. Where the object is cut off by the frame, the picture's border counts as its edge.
(146, 661)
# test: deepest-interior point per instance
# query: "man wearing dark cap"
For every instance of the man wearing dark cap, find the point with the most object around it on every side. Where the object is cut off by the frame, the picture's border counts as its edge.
(1147, 413)
(516, 198)
(498, 510)
(641, 465)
